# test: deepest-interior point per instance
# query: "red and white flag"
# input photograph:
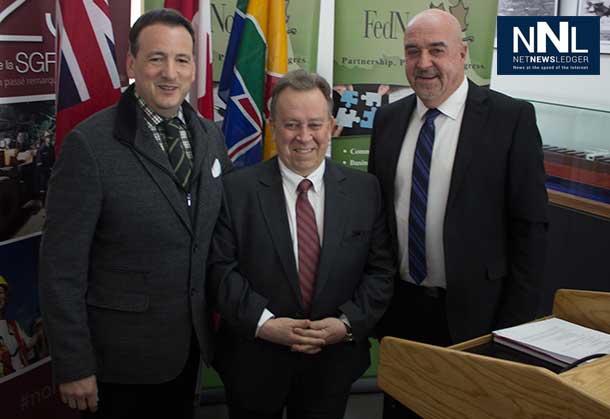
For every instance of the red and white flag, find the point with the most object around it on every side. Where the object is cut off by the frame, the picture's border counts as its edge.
(199, 13)
(87, 76)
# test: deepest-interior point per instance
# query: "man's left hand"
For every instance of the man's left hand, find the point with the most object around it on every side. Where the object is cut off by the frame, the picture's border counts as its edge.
(331, 329)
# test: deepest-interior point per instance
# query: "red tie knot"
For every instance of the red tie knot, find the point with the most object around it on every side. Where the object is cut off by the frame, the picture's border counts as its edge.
(304, 186)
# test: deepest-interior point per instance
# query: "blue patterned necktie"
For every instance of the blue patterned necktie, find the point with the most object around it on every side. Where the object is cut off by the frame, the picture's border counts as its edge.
(418, 269)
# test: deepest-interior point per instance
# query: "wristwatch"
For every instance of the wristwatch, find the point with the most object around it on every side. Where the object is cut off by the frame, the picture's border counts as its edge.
(349, 337)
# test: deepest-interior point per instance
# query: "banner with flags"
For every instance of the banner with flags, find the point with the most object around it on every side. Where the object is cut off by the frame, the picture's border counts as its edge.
(256, 58)
(199, 13)
(87, 76)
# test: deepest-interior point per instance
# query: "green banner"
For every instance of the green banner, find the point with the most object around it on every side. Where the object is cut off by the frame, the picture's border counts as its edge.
(302, 19)
(369, 38)
(222, 21)
(352, 151)
(152, 4)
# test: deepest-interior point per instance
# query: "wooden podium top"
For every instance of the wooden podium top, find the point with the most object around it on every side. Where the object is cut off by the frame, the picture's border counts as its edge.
(440, 382)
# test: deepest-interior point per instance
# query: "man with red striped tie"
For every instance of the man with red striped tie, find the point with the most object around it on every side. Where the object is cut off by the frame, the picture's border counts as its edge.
(301, 268)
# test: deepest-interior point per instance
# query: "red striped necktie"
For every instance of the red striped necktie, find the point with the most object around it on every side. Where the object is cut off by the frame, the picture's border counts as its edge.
(309, 244)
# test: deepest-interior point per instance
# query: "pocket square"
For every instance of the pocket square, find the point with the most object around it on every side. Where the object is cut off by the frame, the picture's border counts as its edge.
(216, 168)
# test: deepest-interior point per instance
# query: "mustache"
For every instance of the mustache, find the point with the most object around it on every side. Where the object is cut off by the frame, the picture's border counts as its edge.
(427, 73)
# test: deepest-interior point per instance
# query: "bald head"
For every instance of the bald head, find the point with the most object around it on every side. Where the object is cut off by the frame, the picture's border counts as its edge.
(438, 18)
(435, 56)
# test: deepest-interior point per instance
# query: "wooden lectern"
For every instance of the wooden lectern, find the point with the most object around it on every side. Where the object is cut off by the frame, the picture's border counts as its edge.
(449, 382)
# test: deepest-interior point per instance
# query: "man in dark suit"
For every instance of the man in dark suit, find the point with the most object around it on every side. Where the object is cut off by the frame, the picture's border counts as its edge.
(129, 223)
(461, 170)
(301, 268)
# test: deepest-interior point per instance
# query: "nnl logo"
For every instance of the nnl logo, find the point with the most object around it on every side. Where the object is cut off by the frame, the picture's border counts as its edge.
(537, 38)
(548, 45)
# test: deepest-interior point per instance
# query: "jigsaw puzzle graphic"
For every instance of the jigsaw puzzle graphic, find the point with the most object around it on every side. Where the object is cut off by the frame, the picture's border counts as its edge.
(357, 109)
(347, 118)
(371, 99)
(369, 116)
(349, 98)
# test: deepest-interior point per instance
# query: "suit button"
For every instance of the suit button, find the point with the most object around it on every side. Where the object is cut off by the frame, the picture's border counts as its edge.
(195, 247)
(193, 292)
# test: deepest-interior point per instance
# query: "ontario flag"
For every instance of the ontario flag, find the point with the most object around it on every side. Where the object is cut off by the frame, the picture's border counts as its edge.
(199, 13)
(257, 56)
(87, 76)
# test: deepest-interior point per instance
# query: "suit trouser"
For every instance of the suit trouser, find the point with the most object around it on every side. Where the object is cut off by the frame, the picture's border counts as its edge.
(419, 314)
(305, 399)
(172, 399)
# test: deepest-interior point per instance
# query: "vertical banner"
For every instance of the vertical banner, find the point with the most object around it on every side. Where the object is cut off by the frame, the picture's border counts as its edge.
(27, 114)
(28, 67)
(369, 66)
(27, 92)
(369, 38)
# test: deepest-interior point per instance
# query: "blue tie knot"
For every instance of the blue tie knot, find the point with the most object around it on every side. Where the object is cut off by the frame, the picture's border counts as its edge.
(431, 115)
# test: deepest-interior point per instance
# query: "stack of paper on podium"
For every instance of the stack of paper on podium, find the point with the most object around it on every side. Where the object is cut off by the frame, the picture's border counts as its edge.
(554, 340)
(465, 381)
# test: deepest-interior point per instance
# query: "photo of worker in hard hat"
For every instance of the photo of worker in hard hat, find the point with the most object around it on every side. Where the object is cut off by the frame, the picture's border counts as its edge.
(17, 348)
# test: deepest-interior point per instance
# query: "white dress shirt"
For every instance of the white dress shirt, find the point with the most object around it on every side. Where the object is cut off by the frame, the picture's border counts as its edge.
(315, 194)
(447, 129)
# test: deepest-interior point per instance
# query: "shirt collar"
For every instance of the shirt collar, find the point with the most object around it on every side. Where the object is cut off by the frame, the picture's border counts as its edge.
(450, 107)
(153, 117)
(293, 179)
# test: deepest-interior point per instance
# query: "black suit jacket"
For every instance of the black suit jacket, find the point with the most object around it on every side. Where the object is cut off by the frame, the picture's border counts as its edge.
(253, 268)
(495, 220)
(123, 259)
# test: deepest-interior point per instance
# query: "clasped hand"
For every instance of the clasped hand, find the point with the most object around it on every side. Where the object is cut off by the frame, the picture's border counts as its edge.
(303, 335)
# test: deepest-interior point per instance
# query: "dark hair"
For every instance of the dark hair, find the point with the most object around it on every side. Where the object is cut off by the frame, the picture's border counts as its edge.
(168, 17)
(301, 80)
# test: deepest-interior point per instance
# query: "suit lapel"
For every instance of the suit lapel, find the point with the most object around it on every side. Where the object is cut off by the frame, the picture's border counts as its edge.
(335, 214)
(199, 140)
(201, 174)
(131, 130)
(155, 162)
(471, 137)
(273, 206)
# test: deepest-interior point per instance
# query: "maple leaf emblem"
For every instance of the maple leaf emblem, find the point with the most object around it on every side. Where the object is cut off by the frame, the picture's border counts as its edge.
(460, 12)
(440, 6)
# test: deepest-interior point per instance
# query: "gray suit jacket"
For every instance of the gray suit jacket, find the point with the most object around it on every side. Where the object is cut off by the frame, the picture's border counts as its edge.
(122, 262)
(253, 268)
